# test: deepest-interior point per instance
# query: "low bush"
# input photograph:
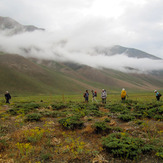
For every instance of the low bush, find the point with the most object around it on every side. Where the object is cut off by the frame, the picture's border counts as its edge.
(126, 117)
(94, 113)
(116, 129)
(158, 117)
(33, 117)
(107, 120)
(53, 114)
(72, 122)
(101, 127)
(116, 108)
(23, 108)
(123, 146)
(147, 148)
(46, 156)
(3, 145)
(59, 106)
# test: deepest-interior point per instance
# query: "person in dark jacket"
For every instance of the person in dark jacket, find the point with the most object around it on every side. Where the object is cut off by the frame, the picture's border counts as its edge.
(94, 95)
(7, 97)
(86, 96)
(158, 95)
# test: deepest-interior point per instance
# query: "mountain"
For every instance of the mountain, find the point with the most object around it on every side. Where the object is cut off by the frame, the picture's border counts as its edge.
(130, 52)
(13, 27)
(21, 75)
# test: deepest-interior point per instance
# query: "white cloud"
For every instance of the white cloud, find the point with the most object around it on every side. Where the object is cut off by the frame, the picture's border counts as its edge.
(88, 23)
(61, 47)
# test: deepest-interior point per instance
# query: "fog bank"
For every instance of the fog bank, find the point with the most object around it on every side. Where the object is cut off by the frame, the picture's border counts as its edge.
(66, 47)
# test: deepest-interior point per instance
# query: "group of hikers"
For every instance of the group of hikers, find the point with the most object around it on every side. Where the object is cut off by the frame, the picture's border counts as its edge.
(104, 95)
(94, 95)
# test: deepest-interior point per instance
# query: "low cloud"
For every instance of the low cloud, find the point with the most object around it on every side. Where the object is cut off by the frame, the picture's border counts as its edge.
(68, 47)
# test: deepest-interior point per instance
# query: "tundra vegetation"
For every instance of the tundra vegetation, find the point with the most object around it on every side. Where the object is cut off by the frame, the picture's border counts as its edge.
(38, 129)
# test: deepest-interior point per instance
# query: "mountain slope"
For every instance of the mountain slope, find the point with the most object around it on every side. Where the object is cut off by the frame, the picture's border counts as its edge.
(110, 79)
(130, 52)
(13, 27)
(33, 76)
(20, 75)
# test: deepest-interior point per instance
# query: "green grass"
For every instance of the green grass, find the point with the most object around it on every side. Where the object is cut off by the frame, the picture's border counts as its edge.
(64, 128)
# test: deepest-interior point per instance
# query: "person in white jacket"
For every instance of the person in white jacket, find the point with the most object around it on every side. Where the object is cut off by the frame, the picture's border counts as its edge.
(103, 96)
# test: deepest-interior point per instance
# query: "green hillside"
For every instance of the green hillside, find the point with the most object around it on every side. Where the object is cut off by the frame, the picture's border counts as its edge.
(34, 79)
(20, 75)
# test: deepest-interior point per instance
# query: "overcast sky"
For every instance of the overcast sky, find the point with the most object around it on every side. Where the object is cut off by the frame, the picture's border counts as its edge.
(75, 27)
(130, 23)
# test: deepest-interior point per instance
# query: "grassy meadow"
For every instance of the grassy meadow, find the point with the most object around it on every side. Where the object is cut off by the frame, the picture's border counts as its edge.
(64, 129)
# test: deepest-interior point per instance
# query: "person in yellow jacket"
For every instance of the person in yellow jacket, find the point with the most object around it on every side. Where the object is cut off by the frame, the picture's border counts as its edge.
(123, 94)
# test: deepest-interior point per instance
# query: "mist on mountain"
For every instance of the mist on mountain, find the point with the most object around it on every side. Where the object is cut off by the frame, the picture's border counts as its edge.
(76, 48)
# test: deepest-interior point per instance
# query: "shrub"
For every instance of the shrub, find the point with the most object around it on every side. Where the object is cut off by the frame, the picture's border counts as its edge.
(158, 117)
(53, 114)
(3, 129)
(46, 156)
(116, 129)
(72, 122)
(138, 122)
(58, 106)
(121, 145)
(23, 108)
(33, 117)
(116, 108)
(34, 135)
(95, 113)
(101, 127)
(126, 117)
(159, 154)
(13, 111)
(28, 105)
(147, 148)
(107, 120)
(3, 145)
(160, 110)
(93, 107)
(24, 148)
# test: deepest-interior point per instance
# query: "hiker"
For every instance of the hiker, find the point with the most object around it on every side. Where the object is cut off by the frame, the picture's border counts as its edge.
(94, 95)
(123, 94)
(103, 96)
(158, 95)
(7, 97)
(86, 96)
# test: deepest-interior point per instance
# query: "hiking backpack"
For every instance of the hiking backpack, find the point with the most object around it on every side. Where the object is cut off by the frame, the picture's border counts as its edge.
(95, 94)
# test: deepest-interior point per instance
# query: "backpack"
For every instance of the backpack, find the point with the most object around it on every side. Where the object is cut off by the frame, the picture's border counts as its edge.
(123, 94)
(95, 94)
(160, 94)
(84, 94)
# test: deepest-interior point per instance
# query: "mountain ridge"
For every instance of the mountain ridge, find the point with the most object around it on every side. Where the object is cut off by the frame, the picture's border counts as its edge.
(39, 76)
(130, 52)
(33, 76)
(13, 27)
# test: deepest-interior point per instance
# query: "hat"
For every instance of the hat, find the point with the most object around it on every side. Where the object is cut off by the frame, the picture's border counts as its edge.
(123, 89)
(155, 91)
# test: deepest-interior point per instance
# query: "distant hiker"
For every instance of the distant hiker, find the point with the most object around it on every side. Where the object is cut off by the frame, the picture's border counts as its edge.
(103, 96)
(7, 97)
(123, 94)
(158, 95)
(94, 95)
(86, 96)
